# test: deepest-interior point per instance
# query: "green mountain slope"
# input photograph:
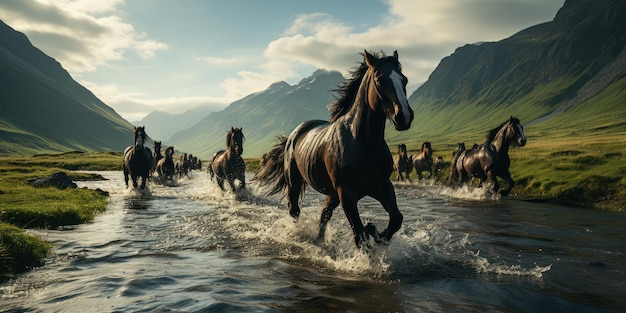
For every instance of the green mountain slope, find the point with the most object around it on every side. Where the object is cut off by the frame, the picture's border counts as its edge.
(45, 110)
(539, 72)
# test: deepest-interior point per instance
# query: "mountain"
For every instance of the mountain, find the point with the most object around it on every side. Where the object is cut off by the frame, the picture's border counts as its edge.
(263, 116)
(537, 74)
(45, 110)
(161, 125)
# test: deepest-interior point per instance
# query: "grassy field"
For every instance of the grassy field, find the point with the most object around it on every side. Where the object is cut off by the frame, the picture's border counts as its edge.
(23, 206)
(590, 171)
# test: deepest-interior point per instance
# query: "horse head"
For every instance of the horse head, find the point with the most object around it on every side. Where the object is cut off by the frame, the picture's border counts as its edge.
(516, 132)
(234, 139)
(389, 89)
(427, 148)
(140, 136)
(169, 151)
(402, 149)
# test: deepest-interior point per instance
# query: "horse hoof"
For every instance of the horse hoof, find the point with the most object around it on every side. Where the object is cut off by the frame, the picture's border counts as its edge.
(371, 230)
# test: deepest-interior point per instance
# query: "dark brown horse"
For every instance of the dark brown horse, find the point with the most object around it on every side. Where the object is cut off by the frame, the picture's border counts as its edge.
(346, 158)
(157, 155)
(403, 164)
(453, 179)
(423, 162)
(491, 160)
(138, 159)
(165, 166)
(228, 164)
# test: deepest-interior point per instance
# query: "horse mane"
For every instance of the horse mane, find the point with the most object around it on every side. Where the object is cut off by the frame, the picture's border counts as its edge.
(231, 134)
(347, 91)
(491, 135)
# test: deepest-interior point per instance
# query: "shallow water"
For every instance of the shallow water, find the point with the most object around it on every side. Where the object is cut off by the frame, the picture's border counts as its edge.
(190, 247)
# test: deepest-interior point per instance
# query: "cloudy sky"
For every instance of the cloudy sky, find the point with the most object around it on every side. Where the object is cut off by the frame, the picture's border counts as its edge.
(140, 56)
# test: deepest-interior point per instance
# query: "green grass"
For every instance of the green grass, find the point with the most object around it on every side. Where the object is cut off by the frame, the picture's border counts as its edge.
(23, 206)
(19, 251)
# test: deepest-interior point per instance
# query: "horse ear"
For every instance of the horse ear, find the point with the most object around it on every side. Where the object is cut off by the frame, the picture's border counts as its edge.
(395, 54)
(370, 60)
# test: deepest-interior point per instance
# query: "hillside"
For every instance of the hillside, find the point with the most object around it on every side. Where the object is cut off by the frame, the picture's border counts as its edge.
(162, 125)
(263, 116)
(536, 75)
(45, 110)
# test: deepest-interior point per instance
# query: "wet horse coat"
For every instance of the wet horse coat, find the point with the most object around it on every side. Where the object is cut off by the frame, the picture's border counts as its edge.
(491, 160)
(138, 159)
(346, 158)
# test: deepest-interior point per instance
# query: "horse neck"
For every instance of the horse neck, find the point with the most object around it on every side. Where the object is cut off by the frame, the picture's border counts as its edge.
(366, 123)
(500, 142)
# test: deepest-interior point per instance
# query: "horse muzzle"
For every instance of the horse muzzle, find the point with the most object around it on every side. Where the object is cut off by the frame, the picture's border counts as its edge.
(521, 142)
(402, 120)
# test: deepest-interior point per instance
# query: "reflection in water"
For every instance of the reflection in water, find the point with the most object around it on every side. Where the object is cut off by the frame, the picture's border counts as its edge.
(137, 203)
(191, 247)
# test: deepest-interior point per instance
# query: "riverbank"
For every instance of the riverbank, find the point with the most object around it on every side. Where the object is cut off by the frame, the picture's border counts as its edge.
(24, 206)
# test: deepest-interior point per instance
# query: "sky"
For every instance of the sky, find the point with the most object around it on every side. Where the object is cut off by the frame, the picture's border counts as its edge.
(140, 56)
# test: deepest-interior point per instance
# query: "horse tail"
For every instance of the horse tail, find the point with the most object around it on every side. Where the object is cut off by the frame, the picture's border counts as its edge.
(271, 173)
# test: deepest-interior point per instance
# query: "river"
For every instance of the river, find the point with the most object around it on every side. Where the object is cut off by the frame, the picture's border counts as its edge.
(189, 247)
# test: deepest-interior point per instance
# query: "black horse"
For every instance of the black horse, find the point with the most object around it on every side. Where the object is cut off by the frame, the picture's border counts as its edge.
(157, 155)
(165, 166)
(138, 159)
(346, 158)
(491, 160)
(423, 162)
(228, 164)
(403, 164)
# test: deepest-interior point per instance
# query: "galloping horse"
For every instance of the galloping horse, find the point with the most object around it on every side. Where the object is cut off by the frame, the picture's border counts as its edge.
(402, 163)
(346, 158)
(491, 160)
(165, 166)
(138, 159)
(157, 155)
(423, 162)
(454, 174)
(182, 165)
(228, 164)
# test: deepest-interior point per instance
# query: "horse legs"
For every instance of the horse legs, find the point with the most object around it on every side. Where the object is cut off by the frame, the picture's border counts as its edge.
(144, 178)
(331, 203)
(349, 205)
(507, 176)
(220, 182)
(491, 175)
(126, 173)
(293, 196)
(386, 195)
(134, 178)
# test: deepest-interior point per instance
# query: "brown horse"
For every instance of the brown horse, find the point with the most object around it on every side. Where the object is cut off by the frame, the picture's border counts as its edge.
(423, 162)
(346, 158)
(228, 164)
(138, 159)
(403, 164)
(491, 160)
(165, 166)
(454, 174)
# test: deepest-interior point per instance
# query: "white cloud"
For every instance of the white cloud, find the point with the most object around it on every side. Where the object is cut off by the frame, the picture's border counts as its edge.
(82, 34)
(220, 61)
(134, 105)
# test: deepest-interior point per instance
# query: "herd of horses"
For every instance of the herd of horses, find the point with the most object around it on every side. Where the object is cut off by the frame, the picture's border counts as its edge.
(486, 161)
(345, 158)
(140, 162)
